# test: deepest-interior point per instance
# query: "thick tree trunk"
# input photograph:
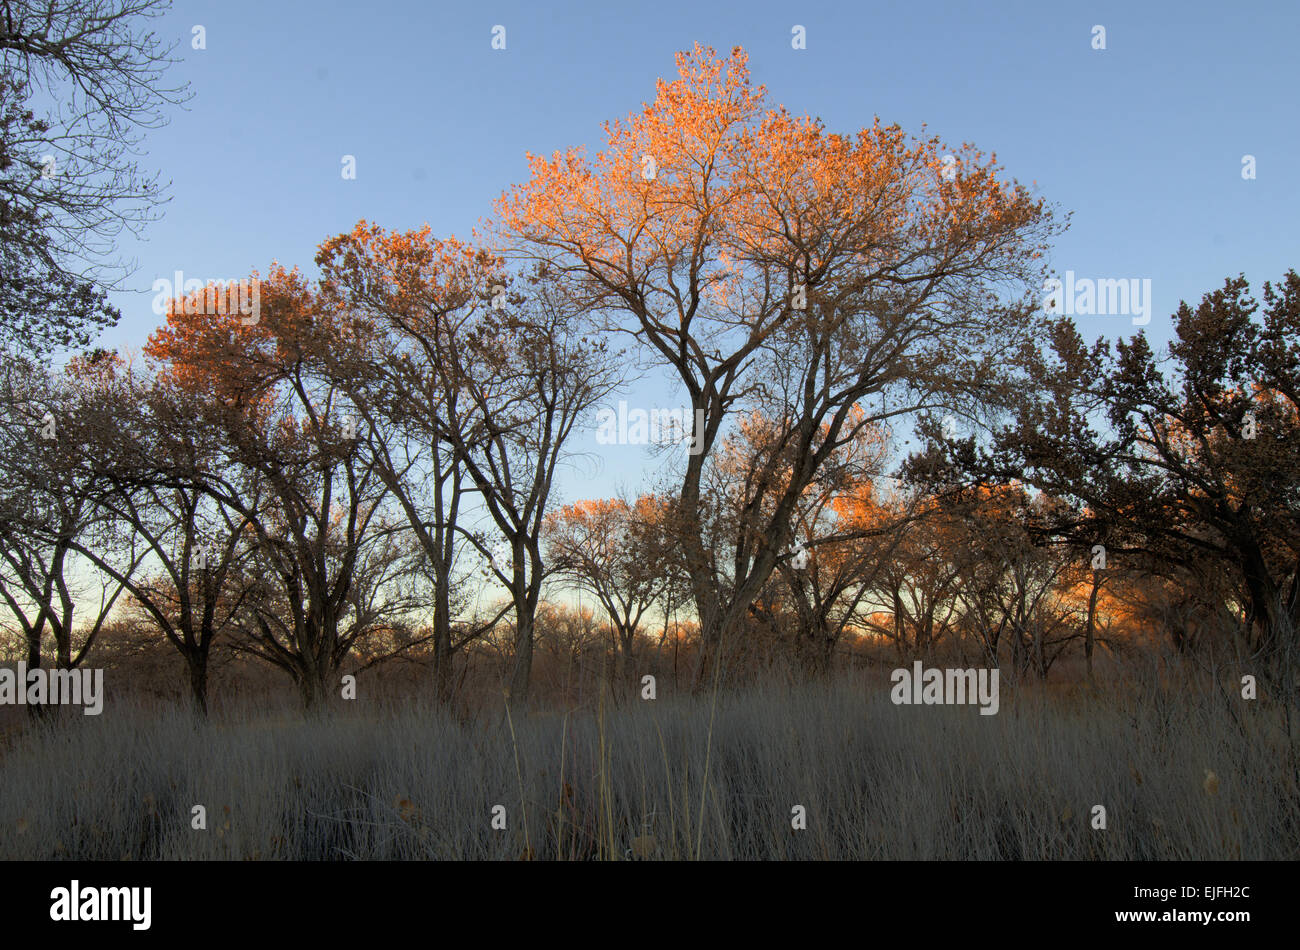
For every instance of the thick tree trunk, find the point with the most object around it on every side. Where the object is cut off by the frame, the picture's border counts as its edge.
(713, 629)
(1264, 601)
(198, 669)
(522, 670)
(312, 690)
(624, 670)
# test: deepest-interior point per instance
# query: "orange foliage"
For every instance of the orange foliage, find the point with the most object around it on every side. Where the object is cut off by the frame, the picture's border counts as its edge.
(710, 173)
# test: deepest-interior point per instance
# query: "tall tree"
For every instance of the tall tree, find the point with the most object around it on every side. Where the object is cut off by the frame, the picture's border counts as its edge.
(517, 370)
(48, 510)
(400, 293)
(769, 264)
(289, 468)
(1190, 459)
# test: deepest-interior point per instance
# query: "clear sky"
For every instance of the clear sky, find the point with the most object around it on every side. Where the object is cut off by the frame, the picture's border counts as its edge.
(1142, 141)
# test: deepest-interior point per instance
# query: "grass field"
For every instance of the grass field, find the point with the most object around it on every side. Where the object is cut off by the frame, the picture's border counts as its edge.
(1184, 770)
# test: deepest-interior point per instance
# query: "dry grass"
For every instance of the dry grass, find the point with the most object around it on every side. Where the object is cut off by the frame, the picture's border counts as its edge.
(1184, 772)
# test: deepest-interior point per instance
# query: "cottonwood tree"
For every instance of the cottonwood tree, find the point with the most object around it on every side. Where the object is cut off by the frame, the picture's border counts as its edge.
(769, 264)
(916, 588)
(399, 292)
(532, 374)
(518, 370)
(1012, 576)
(614, 550)
(192, 544)
(48, 512)
(529, 376)
(833, 595)
(71, 180)
(843, 535)
(315, 506)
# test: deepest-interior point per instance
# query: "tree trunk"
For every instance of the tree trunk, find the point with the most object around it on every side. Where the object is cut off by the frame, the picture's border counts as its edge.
(313, 690)
(38, 710)
(710, 638)
(442, 639)
(522, 671)
(624, 670)
(899, 630)
(1090, 630)
(198, 668)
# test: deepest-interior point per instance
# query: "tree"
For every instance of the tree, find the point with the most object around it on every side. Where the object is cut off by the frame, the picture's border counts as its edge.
(1189, 461)
(615, 551)
(191, 544)
(1011, 577)
(315, 506)
(42, 307)
(517, 371)
(844, 536)
(399, 292)
(768, 264)
(48, 514)
(71, 182)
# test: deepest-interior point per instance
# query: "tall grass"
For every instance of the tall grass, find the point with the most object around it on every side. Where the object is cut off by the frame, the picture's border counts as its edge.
(1183, 770)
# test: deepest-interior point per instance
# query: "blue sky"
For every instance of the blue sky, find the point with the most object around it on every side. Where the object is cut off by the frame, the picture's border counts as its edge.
(1143, 141)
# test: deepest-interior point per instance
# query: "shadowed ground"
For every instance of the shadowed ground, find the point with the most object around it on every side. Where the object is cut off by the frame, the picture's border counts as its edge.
(1184, 772)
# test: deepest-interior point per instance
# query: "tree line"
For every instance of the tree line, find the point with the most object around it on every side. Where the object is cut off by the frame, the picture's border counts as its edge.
(343, 466)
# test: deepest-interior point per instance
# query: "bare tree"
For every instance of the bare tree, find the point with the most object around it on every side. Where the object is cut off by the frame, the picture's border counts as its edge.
(615, 550)
(507, 378)
(193, 545)
(389, 371)
(530, 375)
(48, 513)
(315, 506)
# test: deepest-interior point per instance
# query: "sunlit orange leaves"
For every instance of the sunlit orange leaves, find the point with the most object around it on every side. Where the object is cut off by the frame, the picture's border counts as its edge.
(712, 180)
(406, 273)
(229, 355)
